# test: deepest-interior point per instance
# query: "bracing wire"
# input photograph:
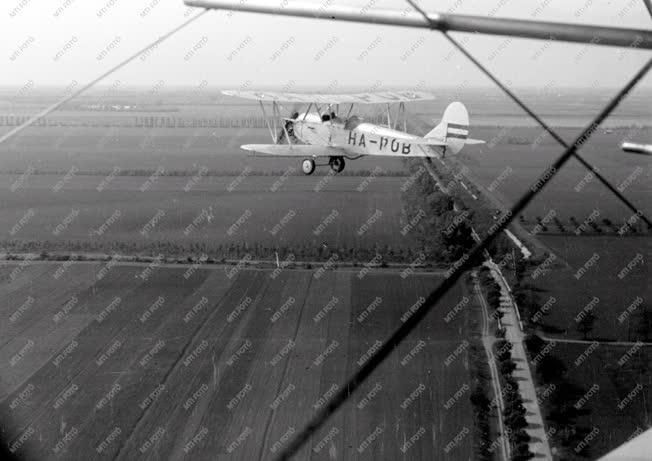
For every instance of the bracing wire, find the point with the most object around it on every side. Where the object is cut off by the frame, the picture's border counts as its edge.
(36, 117)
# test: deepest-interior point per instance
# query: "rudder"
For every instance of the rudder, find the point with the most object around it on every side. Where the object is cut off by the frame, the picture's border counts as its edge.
(453, 128)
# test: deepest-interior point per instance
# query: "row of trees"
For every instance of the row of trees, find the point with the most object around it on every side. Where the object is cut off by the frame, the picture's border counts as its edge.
(218, 252)
(602, 226)
(480, 401)
(152, 121)
(560, 404)
(443, 230)
(443, 223)
(514, 410)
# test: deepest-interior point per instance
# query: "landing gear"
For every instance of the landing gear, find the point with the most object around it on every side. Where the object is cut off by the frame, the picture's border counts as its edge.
(336, 164)
(308, 166)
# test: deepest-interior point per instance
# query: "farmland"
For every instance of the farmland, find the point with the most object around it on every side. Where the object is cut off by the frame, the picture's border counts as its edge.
(132, 165)
(614, 286)
(196, 129)
(622, 385)
(592, 304)
(510, 162)
(127, 360)
(514, 158)
(224, 364)
(216, 216)
(594, 395)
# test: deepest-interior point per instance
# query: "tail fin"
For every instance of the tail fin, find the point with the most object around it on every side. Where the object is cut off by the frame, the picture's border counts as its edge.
(453, 128)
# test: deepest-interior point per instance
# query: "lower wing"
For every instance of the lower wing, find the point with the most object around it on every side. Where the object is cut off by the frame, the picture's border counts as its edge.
(295, 150)
(310, 150)
(313, 150)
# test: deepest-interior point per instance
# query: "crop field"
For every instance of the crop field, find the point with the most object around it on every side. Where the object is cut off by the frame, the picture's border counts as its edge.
(607, 276)
(514, 158)
(224, 363)
(613, 392)
(599, 294)
(507, 165)
(129, 360)
(516, 153)
(292, 211)
(188, 149)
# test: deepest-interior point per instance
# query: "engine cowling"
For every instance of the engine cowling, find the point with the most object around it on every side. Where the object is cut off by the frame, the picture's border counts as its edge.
(337, 164)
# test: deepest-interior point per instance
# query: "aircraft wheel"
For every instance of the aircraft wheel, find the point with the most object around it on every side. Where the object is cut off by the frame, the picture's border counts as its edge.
(308, 166)
(337, 164)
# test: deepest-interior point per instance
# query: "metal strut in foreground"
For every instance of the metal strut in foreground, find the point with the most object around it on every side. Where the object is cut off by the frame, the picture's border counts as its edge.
(563, 32)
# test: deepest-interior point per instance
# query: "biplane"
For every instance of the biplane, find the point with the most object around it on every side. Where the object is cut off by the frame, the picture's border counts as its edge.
(322, 132)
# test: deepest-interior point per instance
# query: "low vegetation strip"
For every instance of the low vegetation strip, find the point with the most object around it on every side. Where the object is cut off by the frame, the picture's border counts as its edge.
(369, 258)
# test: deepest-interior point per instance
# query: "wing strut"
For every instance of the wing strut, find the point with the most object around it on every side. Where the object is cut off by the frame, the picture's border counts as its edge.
(275, 115)
(262, 106)
(285, 130)
(307, 111)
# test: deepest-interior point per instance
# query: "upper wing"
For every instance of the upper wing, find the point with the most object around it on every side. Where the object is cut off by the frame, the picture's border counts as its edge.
(295, 150)
(356, 98)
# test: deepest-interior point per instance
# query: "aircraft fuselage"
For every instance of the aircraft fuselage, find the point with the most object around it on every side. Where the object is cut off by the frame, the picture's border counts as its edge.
(361, 139)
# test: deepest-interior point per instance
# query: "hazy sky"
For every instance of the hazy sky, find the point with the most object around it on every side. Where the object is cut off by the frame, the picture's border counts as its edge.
(56, 42)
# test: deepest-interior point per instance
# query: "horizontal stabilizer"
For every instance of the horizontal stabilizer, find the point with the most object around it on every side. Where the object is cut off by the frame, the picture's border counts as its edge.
(441, 142)
(294, 150)
(428, 141)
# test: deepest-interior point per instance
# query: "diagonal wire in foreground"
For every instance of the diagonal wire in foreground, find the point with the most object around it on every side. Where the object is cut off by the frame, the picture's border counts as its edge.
(538, 119)
(74, 94)
(648, 5)
(550, 131)
(453, 275)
